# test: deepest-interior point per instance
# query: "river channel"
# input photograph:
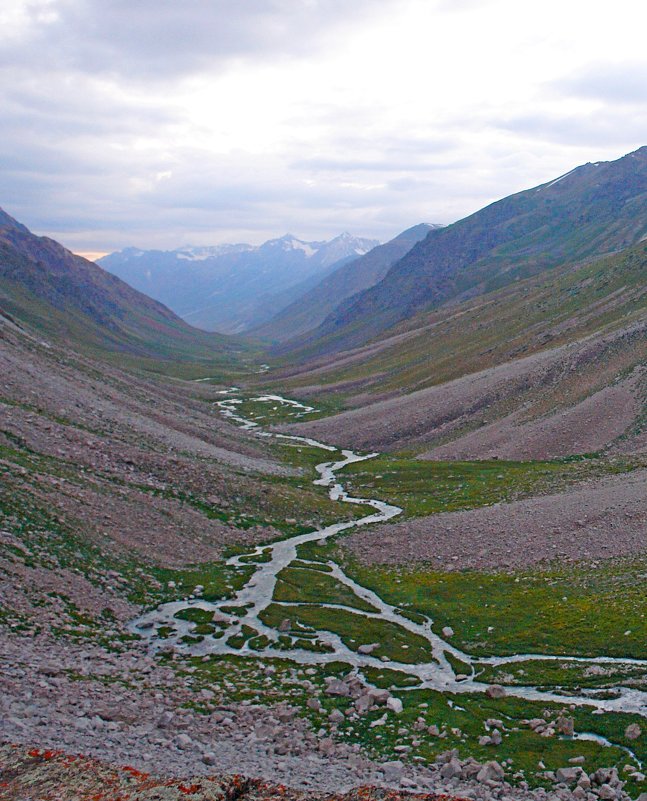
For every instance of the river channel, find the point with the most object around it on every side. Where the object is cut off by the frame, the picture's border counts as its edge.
(256, 596)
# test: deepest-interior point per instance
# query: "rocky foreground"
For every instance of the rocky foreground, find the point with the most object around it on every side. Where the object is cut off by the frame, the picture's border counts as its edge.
(46, 774)
(127, 710)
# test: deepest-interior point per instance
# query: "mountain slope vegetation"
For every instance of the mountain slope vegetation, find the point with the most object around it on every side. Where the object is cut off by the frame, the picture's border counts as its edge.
(551, 365)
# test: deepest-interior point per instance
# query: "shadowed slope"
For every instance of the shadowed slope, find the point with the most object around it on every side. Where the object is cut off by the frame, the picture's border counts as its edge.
(308, 311)
(593, 210)
(64, 295)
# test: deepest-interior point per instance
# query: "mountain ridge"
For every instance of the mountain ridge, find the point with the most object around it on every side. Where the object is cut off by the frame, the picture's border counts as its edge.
(64, 295)
(311, 308)
(594, 209)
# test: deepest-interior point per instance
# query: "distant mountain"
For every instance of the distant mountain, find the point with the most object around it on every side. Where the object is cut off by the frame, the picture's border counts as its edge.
(232, 288)
(311, 308)
(44, 285)
(593, 210)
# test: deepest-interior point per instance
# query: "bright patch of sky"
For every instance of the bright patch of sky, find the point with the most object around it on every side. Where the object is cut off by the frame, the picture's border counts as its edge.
(158, 123)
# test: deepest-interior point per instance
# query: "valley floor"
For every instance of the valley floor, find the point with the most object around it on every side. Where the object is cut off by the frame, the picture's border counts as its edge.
(125, 494)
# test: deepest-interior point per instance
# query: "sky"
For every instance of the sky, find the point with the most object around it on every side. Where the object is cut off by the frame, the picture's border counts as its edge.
(160, 123)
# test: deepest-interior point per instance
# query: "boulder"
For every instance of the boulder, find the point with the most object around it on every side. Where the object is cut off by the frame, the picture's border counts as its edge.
(451, 769)
(379, 697)
(565, 725)
(491, 772)
(363, 704)
(394, 704)
(368, 648)
(338, 688)
(392, 771)
(567, 775)
(633, 731)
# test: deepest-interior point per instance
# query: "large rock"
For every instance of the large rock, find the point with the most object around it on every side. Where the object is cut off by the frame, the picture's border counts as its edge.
(379, 697)
(567, 775)
(392, 771)
(633, 731)
(339, 688)
(491, 772)
(394, 704)
(451, 769)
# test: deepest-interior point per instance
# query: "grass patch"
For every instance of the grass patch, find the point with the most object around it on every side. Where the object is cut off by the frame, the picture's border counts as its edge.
(296, 585)
(428, 487)
(396, 642)
(579, 611)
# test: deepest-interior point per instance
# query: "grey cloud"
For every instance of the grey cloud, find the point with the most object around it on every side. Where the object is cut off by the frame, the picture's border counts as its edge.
(163, 38)
(622, 129)
(623, 83)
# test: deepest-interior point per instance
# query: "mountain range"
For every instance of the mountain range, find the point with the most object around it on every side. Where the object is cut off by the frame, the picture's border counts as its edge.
(231, 288)
(311, 308)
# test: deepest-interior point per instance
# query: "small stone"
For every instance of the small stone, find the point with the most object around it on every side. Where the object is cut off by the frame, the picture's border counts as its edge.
(448, 631)
(336, 716)
(210, 758)
(164, 720)
(495, 691)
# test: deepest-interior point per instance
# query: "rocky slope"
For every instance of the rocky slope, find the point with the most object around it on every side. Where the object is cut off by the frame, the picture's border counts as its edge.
(549, 367)
(594, 209)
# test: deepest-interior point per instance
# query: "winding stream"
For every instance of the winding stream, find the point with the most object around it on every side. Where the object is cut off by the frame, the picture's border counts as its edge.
(436, 673)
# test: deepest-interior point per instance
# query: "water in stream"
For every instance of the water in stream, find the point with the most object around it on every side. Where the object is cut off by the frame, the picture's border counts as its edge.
(256, 596)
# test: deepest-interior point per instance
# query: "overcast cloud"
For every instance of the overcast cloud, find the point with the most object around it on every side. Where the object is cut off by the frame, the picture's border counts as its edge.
(159, 123)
